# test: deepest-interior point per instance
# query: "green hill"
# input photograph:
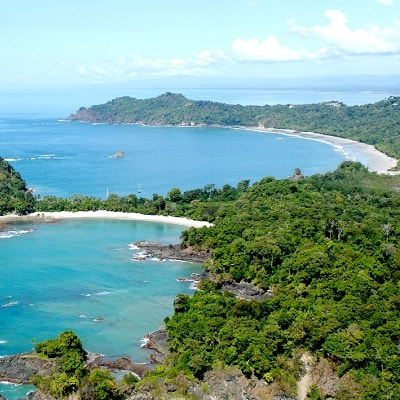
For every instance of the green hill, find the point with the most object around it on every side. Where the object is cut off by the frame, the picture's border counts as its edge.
(14, 195)
(327, 247)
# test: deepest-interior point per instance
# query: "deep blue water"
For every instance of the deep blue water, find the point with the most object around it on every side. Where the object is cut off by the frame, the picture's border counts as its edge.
(62, 159)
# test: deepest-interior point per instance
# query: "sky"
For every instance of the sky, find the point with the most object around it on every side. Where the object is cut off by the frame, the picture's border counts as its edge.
(72, 42)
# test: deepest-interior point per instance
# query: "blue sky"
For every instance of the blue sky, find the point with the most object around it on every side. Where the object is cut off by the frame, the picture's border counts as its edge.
(56, 43)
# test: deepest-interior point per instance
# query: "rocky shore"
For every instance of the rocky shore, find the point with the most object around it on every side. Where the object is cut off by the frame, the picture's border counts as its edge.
(171, 252)
(20, 368)
(157, 341)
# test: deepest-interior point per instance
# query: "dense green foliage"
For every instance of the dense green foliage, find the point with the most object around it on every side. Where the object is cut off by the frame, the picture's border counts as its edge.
(14, 195)
(200, 204)
(377, 124)
(328, 247)
(71, 376)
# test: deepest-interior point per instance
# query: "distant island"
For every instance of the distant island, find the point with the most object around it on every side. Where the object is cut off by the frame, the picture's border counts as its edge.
(377, 124)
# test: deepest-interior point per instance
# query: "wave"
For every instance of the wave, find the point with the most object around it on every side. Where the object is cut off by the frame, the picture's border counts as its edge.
(12, 159)
(14, 233)
(34, 158)
(46, 156)
(144, 341)
(9, 304)
(4, 235)
(101, 293)
(3, 341)
(10, 383)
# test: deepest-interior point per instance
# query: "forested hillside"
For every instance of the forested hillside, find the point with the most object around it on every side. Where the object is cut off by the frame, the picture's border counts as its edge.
(327, 246)
(377, 124)
(14, 195)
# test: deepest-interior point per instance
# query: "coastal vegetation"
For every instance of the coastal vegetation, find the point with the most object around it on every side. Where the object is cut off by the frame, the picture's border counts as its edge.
(14, 195)
(377, 124)
(70, 374)
(199, 203)
(327, 247)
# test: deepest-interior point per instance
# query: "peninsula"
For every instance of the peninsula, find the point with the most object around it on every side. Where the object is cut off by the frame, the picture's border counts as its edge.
(376, 124)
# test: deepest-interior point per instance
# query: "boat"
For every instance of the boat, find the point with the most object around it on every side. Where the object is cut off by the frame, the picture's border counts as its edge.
(139, 190)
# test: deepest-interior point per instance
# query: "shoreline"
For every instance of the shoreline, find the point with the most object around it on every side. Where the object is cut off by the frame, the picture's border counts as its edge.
(366, 154)
(101, 214)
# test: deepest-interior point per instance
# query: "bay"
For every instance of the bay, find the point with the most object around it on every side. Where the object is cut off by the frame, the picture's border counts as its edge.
(83, 275)
(54, 265)
(62, 159)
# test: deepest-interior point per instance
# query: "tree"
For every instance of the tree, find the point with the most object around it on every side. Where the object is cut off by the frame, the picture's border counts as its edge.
(174, 195)
(159, 202)
(99, 385)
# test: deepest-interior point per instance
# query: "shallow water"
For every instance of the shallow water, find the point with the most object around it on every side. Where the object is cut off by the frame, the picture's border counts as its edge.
(65, 275)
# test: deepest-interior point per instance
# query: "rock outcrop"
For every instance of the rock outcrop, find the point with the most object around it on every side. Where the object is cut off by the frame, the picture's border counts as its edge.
(158, 342)
(171, 251)
(246, 291)
(20, 367)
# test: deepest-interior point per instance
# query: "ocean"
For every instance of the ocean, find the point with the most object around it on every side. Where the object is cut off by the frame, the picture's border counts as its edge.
(81, 274)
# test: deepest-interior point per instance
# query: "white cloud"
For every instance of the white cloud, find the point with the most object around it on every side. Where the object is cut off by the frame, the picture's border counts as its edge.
(340, 39)
(201, 64)
(268, 49)
(90, 70)
(334, 39)
(385, 2)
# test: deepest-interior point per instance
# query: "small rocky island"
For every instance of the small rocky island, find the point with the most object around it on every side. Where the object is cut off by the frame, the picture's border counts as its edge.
(118, 154)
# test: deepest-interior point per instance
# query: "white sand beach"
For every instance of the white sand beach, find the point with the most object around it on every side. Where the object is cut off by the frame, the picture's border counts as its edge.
(373, 159)
(49, 216)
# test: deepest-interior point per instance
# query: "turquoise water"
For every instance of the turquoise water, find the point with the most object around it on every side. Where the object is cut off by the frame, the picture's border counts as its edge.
(65, 275)
(15, 392)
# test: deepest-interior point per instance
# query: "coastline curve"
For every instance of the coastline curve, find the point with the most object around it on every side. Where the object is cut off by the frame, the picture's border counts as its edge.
(367, 154)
